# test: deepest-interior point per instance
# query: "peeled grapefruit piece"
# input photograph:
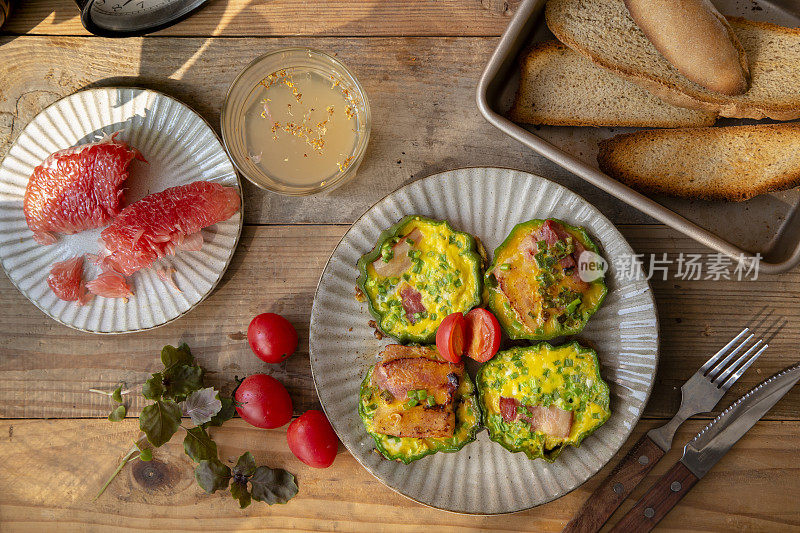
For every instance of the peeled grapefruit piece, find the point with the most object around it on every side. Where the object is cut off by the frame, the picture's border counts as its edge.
(162, 222)
(66, 280)
(77, 188)
(111, 285)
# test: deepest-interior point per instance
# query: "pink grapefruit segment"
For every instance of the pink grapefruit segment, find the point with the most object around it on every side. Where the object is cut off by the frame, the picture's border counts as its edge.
(77, 188)
(111, 285)
(162, 222)
(66, 280)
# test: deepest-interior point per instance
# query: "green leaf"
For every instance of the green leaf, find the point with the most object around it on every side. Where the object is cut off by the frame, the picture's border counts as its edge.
(199, 446)
(118, 413)
(160, 421)
(212, 475)
(171, 356)
(153, 389)
(180, 381)
(239, 492)
(117, 394)
(201, 405)
(225, 413)
(245, 466)
(146, 455)
(272, 485)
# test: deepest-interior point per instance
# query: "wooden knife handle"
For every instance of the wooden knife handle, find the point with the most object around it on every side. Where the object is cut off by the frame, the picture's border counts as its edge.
(617, 486)
(658, 501)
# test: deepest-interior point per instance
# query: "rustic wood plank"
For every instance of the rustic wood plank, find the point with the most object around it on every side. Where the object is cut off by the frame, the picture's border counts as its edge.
(52, 469)
(46, 370)
(294, 17)
(422, 94)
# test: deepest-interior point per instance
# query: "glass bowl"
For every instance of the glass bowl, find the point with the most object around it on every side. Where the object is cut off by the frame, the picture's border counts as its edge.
(246, 91)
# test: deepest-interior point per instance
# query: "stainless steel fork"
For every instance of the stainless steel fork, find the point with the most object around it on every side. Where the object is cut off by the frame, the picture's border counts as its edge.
(698, 395)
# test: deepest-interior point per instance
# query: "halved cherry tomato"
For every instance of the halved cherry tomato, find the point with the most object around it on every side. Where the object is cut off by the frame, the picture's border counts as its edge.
(482, 334)
(450, 337)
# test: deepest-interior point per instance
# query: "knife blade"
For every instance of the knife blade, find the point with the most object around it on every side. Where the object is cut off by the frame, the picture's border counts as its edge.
(714, 441)
(706, 449)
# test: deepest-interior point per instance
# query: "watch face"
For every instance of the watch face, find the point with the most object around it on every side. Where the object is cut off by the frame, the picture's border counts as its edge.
(131, 17)
(129, 7)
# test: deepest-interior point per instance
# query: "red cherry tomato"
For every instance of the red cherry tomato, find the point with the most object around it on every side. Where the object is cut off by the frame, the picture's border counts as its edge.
(272, 337)
(263, 402)
(312, 439)
(450, 337)
(482, 335)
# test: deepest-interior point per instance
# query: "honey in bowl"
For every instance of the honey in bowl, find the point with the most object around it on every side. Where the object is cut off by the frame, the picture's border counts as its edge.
(296, 122)
(303, 127)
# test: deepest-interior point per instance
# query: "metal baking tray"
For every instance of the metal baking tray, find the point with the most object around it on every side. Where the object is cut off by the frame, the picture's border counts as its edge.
(768, 225)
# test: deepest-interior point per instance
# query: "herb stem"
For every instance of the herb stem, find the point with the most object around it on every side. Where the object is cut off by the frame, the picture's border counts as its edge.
(125, 460)
(105, 393)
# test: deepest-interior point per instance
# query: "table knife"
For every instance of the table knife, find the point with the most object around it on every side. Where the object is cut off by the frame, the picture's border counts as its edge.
(705, 449)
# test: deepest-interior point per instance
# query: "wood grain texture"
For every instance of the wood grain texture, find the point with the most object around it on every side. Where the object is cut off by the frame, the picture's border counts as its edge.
(614, 489)
(47, 371)
(421, 91)
(294, 17)
(52, 469)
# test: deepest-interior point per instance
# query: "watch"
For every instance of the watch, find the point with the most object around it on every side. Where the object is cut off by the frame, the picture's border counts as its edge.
(126, 18)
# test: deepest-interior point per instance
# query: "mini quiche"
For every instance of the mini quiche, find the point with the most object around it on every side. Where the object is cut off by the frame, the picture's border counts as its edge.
(414, 403)
(419, 272)
(539, 399)
(533, 286)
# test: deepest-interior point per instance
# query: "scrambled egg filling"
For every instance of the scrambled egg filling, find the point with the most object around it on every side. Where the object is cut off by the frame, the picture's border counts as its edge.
(564, 376)
(408, 449)
(443, 267)
(536, 299)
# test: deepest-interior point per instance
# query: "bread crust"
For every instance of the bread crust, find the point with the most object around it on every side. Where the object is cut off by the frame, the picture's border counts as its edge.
(697, 40)
(615, 159)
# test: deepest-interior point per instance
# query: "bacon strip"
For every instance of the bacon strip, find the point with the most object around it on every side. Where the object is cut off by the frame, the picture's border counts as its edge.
(398, 376)
(551, 421)
(400, 262)
(552, 232)
(406, 368)
(412, 302)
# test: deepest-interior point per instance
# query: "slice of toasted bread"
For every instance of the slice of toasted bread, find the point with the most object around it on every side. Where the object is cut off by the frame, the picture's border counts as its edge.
(725, 163)
(604, 31)
(559, 87)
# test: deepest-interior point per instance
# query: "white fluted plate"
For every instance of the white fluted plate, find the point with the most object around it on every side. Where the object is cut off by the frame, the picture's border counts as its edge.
(483, 478)
(180, 147)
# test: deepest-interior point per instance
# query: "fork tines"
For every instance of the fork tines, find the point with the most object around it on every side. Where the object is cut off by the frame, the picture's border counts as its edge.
(722, 374)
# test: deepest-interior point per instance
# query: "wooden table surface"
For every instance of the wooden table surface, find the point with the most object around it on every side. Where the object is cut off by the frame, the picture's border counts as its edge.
(419, 61)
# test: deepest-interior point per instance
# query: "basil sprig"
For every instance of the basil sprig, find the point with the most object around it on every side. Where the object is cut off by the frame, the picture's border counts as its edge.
(179, 390)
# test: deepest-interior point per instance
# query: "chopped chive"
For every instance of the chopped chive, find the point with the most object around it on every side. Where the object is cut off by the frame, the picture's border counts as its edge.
(410, 403)
(573, 305)
(505, 266)
(430, 401)
(422, 394)
(567, 362)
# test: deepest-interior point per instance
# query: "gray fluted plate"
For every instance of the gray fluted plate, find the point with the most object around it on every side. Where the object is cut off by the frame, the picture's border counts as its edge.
(180, 147)
(483, 478)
